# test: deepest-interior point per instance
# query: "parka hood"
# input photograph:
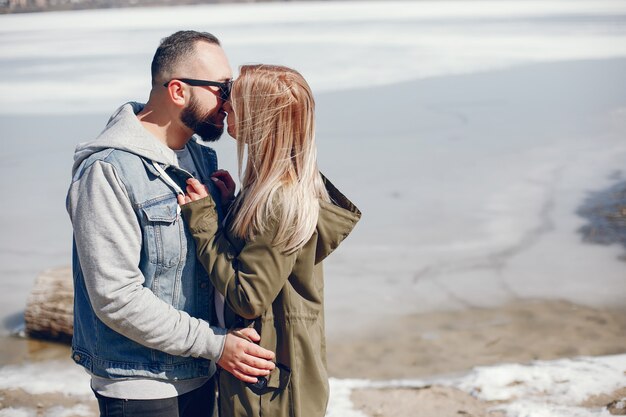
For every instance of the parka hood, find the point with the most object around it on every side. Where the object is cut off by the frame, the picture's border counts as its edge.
(124, 132)
(336, 220)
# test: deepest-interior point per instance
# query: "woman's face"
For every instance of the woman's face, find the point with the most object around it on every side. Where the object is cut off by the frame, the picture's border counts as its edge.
(230, 120)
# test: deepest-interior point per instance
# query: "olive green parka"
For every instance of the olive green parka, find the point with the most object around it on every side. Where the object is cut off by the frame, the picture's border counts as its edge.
(282, 296)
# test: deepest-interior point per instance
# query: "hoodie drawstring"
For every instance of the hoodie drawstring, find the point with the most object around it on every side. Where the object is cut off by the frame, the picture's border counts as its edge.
(169, 181)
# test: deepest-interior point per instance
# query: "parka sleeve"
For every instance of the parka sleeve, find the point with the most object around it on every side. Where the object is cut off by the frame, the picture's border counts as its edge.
(251, 279)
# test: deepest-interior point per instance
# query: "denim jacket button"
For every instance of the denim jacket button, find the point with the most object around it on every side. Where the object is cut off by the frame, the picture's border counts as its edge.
(204, 285)
(77, 357)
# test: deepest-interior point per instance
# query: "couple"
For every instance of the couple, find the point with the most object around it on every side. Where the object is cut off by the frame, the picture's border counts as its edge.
(174, 274)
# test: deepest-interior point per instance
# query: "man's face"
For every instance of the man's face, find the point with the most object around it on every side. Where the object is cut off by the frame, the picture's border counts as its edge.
(209, 125)
(204, 113)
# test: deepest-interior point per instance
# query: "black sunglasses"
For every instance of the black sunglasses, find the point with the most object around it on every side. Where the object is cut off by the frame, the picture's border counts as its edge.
(223, 86)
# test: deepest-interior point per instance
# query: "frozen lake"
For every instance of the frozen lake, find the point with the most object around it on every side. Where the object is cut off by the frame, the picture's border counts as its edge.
(467, 132)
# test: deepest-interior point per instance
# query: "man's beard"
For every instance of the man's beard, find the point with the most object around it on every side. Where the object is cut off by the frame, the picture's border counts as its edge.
(203, 124)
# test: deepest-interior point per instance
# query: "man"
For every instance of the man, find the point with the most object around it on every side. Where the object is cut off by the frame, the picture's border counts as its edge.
(142, 301)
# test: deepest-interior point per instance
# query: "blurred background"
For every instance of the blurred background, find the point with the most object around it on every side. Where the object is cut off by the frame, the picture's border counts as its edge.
(484, 141)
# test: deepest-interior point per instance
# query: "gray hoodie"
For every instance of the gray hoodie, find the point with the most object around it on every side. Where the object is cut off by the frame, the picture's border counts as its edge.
(110, 246)
(124, 132)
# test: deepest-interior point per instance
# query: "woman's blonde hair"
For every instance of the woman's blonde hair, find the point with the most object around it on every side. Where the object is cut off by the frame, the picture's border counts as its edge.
(275, 125)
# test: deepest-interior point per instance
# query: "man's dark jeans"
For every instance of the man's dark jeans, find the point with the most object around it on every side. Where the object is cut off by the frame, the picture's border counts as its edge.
(197, 403)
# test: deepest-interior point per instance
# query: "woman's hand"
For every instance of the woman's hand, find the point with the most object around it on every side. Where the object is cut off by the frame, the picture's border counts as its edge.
(195, 191)
(225, 183)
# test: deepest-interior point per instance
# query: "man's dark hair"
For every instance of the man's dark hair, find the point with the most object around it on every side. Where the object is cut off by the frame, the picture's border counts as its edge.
(175, 48)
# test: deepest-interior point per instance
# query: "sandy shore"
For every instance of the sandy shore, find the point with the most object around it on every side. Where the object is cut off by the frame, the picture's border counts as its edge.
(441, 401)
(427, 346)
(421, 402)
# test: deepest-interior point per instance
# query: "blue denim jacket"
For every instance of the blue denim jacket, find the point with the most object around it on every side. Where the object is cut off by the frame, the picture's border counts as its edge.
(167, 262)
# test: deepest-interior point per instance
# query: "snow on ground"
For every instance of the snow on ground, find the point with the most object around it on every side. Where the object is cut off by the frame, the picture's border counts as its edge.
(539, 389)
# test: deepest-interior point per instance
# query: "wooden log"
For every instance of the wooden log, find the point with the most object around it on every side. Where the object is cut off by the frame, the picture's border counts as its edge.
(50, 307)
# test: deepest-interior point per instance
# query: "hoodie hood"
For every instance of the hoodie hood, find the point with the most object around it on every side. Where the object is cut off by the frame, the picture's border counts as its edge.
(124, 132)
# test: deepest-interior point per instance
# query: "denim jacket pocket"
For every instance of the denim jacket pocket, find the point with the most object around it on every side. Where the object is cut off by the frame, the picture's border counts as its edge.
(163, 232)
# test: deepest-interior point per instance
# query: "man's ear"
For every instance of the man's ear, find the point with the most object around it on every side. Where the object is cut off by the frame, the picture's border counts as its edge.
(177, 93)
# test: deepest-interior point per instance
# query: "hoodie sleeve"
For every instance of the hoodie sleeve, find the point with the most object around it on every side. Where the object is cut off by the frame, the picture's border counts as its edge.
(251, 280)
(108, 241)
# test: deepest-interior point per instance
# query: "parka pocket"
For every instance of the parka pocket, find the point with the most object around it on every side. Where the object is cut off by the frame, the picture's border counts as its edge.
(278, 379)
(275, 396)
(163, 232)
(269, 399)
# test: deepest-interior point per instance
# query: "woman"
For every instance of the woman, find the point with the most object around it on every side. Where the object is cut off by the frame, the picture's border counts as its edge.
(266, 259)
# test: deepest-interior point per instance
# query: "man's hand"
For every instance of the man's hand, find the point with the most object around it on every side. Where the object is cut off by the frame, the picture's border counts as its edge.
(225, 183)
(244, 359)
